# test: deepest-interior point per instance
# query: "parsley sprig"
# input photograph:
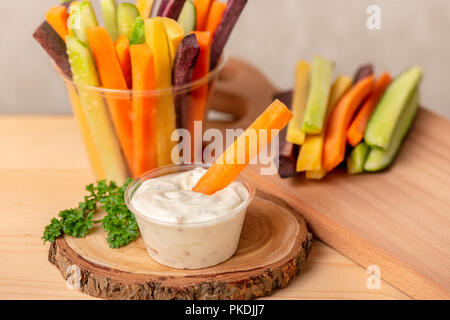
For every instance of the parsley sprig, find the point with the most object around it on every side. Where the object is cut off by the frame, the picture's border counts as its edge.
(119, 223)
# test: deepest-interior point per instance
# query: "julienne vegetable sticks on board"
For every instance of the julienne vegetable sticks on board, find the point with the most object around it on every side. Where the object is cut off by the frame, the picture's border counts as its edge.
(373, 115)
(110, 49)
(311, 154)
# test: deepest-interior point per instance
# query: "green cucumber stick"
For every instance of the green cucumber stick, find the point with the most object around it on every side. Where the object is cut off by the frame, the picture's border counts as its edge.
(357, 158)
(109, 9)
(382, 124)
(85, 74)
(138, 32)
(188, 17)
(126, 16)
(379, 159)
(319, 92)
(81, 17)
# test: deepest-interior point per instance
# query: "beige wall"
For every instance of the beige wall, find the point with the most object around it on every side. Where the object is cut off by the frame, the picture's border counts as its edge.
(272, 34)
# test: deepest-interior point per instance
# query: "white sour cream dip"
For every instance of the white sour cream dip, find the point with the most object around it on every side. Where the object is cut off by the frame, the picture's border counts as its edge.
(184, 229)
(170, 199)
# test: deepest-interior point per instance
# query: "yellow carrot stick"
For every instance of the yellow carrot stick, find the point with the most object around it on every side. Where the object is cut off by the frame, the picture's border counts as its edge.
(156, 39)
(316, 175)
(310, 157)
(175, 33)
(145, 8)
(294, 133)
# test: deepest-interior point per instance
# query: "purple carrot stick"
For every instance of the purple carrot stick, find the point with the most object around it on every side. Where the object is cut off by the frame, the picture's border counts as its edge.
(363, 72)
(52, 43)
(229, 19)
(288, 151)
(173, 9)
(162, 7)
(185, 61)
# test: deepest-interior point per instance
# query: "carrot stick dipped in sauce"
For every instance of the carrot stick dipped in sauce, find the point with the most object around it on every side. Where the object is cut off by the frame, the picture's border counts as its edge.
(229, 165)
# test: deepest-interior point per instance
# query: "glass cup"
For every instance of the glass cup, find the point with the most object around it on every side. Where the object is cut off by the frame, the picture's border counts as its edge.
(128, 132)
(195, 245)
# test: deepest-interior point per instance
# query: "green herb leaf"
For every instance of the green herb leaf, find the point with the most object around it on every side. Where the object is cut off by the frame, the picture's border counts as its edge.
(52, 231)
(75, 222)
(119, 223)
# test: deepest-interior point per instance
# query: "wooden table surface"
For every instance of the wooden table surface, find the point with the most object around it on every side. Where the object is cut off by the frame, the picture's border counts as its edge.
(43, 169)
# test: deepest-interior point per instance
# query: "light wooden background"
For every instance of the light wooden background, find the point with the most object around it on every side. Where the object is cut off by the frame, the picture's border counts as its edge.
(36, 183)
(273, 35)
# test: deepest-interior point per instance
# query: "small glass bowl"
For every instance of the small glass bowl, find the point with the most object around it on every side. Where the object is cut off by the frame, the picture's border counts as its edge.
(104, 113)
(194, 245)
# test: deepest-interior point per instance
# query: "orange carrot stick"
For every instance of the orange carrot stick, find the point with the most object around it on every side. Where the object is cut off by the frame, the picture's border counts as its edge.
(144, 109)
(111, 77)
(228, 166)
(342, 114)
(202, 7)
(199, 97)
(215, 16)
(57, 17)
(122, 46)
(355, 132)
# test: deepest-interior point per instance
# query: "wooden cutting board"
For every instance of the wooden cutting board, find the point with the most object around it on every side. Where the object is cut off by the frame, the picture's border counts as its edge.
(273, 248)
(397, 220)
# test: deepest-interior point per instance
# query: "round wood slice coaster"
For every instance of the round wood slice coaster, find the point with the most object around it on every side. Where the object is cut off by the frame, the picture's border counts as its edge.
(274, 245)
